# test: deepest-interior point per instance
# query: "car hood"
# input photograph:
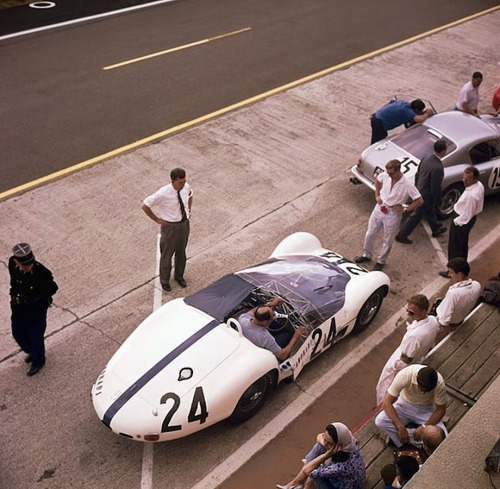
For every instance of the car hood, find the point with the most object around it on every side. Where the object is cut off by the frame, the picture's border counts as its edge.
(173, 349)
(375, 157)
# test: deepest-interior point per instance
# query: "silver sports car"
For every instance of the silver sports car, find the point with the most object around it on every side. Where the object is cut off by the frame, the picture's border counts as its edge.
(471, 141)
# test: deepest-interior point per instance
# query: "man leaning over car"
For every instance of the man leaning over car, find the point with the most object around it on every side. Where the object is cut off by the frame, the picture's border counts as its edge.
(254, 324)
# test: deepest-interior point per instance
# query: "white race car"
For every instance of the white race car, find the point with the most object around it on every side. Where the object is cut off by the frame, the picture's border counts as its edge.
(188, 365)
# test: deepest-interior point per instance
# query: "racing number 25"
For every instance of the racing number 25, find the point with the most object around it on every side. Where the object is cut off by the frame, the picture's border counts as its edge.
(198, 411)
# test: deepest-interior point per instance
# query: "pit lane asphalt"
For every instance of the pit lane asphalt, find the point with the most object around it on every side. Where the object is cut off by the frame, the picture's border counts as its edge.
(61, 108)
(260, 173)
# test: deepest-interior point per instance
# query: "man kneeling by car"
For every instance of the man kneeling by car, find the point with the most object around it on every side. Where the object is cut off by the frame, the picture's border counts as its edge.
(254, 324)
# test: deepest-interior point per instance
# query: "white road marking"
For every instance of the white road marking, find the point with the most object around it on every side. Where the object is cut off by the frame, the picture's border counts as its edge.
(259, 440)
(148, 452)
(147, 466)
(84, 19)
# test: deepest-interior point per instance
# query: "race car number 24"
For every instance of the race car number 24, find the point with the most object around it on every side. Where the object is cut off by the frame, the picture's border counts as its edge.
(197, 412)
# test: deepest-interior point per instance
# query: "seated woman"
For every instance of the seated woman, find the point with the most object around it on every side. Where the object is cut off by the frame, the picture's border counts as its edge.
(333, 463)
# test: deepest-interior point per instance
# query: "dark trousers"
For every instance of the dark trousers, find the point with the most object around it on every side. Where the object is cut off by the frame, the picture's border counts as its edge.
(425, 210)
(378, 131)
(173, 241)
(283, 336)
(28, 329)
(458, 241)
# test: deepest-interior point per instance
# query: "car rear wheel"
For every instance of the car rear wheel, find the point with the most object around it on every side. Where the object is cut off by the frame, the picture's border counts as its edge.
(252, 399)
(369, 310)
(450, 198)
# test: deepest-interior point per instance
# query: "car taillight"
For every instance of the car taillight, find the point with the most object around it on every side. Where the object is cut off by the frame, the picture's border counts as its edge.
(152, 437)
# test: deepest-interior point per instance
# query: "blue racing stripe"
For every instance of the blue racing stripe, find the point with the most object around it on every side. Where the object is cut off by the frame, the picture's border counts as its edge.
(150, 374)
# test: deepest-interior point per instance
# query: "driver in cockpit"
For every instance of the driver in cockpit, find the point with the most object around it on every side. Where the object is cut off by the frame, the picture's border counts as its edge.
(255, 323)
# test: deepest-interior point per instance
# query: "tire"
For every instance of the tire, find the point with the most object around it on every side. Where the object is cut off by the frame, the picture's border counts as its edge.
(369, 310)
(252, 399)
(450, 197)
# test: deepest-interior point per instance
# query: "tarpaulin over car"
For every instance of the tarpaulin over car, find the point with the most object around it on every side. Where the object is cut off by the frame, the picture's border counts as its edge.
(313, 286)
(221, 297)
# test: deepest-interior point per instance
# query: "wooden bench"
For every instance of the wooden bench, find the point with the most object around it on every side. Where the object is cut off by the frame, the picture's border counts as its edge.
(468, 359)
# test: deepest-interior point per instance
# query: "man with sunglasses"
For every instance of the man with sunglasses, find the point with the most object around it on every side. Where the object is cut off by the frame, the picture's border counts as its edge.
(419, 338)
(417, 396)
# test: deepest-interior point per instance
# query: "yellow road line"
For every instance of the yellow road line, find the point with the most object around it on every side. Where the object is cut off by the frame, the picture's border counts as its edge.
(93, 161)
(178, 48)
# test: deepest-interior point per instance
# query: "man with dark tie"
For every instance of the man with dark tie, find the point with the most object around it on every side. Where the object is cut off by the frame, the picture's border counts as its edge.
(172, 210)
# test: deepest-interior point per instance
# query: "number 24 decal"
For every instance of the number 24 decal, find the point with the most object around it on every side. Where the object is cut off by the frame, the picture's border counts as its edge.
(198, 411)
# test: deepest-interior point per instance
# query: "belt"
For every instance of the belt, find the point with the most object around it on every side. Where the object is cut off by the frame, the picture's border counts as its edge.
(178, 222)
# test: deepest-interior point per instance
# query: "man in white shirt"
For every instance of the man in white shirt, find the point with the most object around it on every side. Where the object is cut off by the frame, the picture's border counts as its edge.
(417, 396)
(468, 98)
(416, 343)
(172, 204)
(460, 297)
(468, 206)
(392, 190)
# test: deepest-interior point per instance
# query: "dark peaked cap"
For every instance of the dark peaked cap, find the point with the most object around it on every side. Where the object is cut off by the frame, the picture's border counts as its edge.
(23, 254)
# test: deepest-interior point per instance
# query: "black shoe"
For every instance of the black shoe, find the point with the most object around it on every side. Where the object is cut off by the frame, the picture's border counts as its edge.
(181, 282)
(166, 287)
(403, 240)
(361, 259)
(378, 266)
(441, 231)
(28, 358)
(445, 274)
(33, 371)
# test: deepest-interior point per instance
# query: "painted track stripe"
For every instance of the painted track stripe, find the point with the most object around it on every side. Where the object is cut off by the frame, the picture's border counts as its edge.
(168, 132)
(154, 371)
(177, 48)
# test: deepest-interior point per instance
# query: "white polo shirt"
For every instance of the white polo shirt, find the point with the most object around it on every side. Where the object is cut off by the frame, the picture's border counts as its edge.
(419, 338)
(399, 192)
(458, 302)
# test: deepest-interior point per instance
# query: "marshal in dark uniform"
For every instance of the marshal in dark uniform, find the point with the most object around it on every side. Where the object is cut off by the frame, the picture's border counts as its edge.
(31, 289)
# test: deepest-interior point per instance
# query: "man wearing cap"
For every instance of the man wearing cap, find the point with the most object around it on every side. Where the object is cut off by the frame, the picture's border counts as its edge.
(416, 397)
(31, 289)
(172, 204)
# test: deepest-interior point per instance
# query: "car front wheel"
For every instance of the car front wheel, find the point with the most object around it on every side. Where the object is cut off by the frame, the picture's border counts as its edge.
(450, 198)
(369, 310)
(252, 399)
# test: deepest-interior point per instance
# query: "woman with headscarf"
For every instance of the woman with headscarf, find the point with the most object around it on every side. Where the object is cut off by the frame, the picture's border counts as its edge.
(333, 463)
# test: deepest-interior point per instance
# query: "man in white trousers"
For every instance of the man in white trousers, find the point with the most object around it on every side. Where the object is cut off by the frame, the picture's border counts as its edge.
(416, 397)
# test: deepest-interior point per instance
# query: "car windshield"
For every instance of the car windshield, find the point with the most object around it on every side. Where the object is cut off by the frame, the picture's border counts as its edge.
(419, 141)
